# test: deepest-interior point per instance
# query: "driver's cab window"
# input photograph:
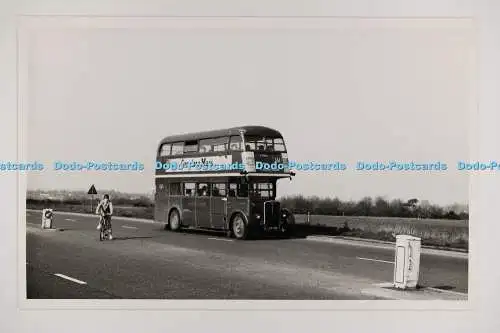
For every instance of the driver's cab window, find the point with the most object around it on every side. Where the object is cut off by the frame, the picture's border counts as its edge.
(262, 190)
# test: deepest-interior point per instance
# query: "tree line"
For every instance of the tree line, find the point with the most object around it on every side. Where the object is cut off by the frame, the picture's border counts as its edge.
(368, 206)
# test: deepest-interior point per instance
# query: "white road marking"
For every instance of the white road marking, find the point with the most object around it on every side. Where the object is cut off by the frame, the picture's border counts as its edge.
(70, 278)
(70, 220)
(128, 227)
(387, 262)
(221, 239)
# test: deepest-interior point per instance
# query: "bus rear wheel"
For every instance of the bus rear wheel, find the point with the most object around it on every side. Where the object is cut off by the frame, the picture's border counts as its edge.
(239, 227)
(174, 220)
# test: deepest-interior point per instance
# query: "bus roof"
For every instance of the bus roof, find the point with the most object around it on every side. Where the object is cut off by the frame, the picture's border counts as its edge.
(249, 130)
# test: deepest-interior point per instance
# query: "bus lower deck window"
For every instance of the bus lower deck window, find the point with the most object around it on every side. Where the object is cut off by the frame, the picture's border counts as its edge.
(175, 189)
(189, 189)
(219, 190)
(203, 190)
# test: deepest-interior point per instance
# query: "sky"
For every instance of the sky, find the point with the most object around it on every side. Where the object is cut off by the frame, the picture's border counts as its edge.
(344, 90)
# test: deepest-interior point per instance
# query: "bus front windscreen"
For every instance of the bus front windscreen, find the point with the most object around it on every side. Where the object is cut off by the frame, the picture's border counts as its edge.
(262, 190)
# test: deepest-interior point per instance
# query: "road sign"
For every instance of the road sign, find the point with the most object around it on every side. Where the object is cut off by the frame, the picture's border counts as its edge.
(92, 190)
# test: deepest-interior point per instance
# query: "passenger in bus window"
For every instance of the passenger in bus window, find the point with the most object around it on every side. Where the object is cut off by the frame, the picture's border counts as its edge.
(203, 191)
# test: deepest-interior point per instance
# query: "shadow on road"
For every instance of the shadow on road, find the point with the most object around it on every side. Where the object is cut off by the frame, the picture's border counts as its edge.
(300, 231)
(132, 237)
(444, 287)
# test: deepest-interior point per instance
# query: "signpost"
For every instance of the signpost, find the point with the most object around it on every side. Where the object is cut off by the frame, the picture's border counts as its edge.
(92, 191)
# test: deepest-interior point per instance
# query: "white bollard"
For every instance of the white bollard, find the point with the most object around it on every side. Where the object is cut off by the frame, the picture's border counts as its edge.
(47, 215)
(407, 262)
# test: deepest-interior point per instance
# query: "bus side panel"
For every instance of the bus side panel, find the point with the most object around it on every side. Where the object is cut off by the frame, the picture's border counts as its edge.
(160, 202)
(160, 209)
(188, 211)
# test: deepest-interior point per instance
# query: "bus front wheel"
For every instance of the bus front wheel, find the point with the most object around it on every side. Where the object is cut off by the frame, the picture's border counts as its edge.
(239, 227)
(174, 221)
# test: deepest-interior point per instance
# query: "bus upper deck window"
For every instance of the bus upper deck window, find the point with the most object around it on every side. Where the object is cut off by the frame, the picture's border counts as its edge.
(191, 147)
(214, 144)
(221, 144)
(279, 145)
(235, 143)
(165, 149)
(206, 146)
(178, 148)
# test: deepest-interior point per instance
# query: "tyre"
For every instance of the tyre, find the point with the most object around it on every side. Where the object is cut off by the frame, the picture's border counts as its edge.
(239, 227)
(174, 220)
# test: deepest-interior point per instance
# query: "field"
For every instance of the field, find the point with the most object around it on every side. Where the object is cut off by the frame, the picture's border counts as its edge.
(442, 233)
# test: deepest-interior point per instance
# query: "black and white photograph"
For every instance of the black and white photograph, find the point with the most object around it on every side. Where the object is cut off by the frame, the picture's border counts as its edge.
(247, 158)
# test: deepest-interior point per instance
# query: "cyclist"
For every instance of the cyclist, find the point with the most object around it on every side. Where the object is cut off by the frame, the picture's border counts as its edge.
(105, 210)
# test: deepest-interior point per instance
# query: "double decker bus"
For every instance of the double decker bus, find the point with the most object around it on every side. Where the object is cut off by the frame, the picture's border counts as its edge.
(223, 180)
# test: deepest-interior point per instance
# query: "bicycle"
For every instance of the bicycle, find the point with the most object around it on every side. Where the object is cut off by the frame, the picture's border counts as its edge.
(105, 231)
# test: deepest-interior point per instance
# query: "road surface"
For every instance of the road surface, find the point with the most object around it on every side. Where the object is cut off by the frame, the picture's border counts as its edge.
(144, 261)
